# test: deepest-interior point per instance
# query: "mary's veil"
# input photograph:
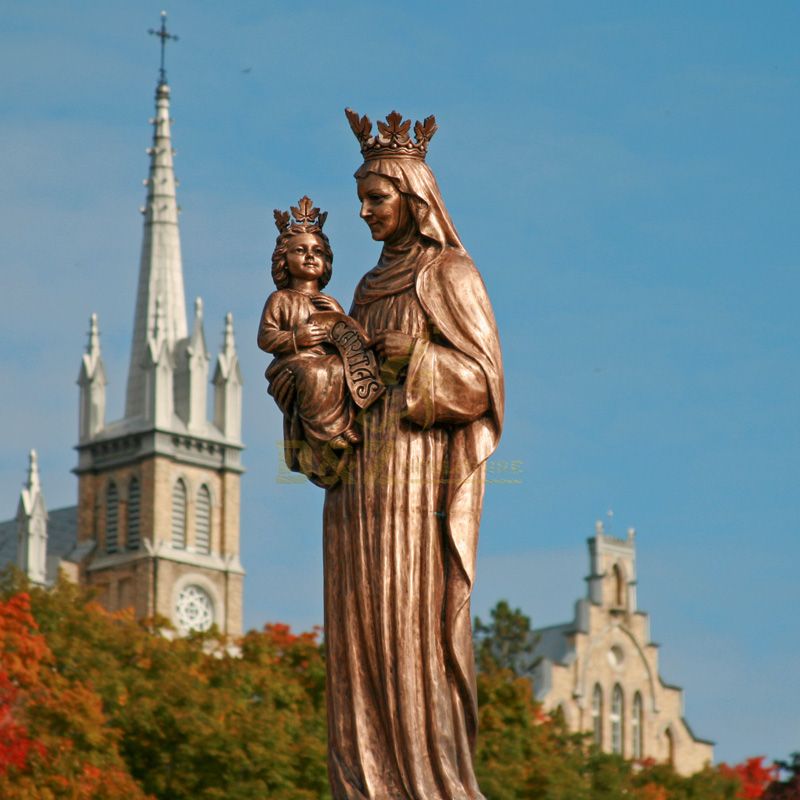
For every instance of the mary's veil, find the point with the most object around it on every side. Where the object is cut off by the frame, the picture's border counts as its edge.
(413, 178)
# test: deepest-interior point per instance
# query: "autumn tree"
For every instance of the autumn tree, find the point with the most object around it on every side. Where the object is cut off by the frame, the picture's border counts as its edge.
(195, 717)
(56, 739)
(95, 705)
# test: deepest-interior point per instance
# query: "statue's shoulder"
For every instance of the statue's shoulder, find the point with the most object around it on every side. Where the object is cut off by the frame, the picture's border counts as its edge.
(278, 296)
(454, 264)
(453, 281)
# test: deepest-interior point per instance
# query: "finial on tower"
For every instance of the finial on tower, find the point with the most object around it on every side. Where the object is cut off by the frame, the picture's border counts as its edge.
(228, 343)
(93, 346)
(163, 34)
(34, 483)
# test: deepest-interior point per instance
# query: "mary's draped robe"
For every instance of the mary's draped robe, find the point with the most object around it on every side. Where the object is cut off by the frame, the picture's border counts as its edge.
(400, 537)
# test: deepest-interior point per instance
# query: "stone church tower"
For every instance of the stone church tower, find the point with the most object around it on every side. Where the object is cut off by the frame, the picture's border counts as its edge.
(158, 495)
(601, 670)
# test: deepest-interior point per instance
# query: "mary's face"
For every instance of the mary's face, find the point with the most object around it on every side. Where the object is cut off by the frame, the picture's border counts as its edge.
(382, 207)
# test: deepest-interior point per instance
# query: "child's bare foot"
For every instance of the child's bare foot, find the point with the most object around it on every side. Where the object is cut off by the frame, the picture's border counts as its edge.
(339, 443)
(352, 435)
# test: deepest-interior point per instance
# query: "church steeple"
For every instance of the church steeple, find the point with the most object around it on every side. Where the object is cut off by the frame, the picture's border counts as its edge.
(158, 519)
(612, 563)
(160, 265)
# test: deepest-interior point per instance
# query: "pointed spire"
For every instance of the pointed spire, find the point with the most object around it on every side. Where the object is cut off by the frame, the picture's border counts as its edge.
(32, 525)
(34, 484)
(92, 382)
(191, 376)
(93, 346)
(228, 386)
(228, 343)
(160, 267)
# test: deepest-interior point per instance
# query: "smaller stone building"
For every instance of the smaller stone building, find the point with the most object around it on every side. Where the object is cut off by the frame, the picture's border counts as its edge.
(601, 669)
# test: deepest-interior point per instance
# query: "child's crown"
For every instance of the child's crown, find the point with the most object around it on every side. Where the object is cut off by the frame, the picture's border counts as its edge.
(305, 216)
(392, 139)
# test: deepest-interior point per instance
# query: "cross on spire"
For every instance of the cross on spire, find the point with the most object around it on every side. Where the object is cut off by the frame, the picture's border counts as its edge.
(163, 34)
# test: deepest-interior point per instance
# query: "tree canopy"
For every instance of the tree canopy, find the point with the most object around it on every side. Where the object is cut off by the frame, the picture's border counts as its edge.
(95, 705)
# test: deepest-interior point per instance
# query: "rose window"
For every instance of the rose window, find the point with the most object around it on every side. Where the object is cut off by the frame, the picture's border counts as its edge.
(194, 610)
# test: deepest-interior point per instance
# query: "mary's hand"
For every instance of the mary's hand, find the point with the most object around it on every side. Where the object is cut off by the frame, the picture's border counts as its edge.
(394, 346)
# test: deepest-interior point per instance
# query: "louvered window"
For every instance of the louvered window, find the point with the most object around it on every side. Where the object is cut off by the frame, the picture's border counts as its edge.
(179, 515)
(202, 512)
(134, 511)
(112, 518)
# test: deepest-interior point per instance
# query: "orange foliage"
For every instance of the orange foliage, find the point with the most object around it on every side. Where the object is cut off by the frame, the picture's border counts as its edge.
(753, 776)
(652, 791)
(54, 741)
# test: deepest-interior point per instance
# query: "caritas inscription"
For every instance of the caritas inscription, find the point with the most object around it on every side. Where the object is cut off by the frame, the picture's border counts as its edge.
(360, 365)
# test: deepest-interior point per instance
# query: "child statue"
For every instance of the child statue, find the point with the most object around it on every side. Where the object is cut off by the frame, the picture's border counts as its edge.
(308, 333)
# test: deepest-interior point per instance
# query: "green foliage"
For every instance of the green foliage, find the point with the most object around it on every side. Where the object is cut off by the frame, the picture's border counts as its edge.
(95, 705)
(506, 642)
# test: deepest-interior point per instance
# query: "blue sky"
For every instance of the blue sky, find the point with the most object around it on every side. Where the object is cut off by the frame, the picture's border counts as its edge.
(625, 175)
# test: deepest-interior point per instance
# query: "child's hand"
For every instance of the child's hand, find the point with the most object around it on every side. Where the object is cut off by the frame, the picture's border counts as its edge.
(310, 334)
(324, 303)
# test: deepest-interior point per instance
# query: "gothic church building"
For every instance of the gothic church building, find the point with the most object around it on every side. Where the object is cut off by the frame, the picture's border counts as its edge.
(601, 668)
(156, 527)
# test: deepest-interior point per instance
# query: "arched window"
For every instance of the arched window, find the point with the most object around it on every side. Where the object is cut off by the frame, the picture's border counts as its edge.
(616, 718)
(179, 515)
(670, 736)
(597, 715)
(202, 512)
(637, 726)
(112, 518)
(134, 511)
(619, 587)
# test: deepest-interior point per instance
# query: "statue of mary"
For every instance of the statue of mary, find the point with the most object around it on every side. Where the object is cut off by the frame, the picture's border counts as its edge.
(401, 527)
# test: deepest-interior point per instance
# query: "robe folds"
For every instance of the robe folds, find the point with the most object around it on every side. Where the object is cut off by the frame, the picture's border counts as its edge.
(400, 538)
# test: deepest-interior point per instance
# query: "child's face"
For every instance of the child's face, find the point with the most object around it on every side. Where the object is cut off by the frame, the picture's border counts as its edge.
(305, 258)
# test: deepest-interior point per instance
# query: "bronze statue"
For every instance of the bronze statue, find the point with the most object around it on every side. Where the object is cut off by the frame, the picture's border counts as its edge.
(401, 523)
(309, 380)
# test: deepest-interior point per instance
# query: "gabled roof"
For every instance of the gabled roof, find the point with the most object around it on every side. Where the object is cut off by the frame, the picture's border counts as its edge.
(553, 643)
